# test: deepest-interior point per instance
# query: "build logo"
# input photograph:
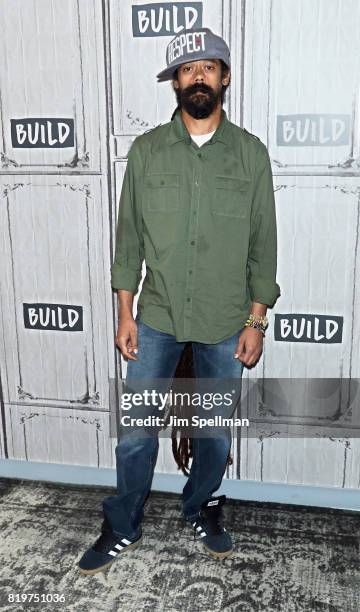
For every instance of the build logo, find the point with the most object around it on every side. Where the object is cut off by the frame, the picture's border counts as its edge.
(321, 329)
(165, 18)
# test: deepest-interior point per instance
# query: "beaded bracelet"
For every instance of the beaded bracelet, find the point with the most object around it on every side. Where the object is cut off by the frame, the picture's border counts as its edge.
(258, 322)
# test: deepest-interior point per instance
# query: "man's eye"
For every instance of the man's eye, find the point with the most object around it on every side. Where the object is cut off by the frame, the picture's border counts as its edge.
(209, 67)
(187, 68)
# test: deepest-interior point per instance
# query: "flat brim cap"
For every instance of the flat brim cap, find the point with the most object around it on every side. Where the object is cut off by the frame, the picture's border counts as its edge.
(192, 45)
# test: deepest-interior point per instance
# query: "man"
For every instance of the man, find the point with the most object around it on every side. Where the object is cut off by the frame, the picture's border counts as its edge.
(197, 204)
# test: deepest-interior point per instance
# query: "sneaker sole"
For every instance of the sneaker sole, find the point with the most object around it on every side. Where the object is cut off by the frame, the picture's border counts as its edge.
(104, 567)
(218, 555)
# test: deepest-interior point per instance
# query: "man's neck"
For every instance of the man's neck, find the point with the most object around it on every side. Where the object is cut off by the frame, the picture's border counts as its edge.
(202, 126)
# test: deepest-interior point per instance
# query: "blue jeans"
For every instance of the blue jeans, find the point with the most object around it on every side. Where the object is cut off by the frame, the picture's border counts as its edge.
(136, 456)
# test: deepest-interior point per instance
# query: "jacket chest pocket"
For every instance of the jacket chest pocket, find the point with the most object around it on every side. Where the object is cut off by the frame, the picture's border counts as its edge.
(162, 192)
(231, 196)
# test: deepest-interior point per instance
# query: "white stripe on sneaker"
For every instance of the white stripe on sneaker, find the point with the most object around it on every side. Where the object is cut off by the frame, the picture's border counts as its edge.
(126, 541)
(118, 546)
(112, 553)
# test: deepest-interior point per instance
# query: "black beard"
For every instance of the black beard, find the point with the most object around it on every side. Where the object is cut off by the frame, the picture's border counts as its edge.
(199, 107)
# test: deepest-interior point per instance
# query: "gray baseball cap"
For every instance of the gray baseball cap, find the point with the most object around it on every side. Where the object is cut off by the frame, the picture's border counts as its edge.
(191, 45)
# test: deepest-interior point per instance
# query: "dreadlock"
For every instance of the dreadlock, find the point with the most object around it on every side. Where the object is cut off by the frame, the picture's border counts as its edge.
(174, 113)
(181, 442)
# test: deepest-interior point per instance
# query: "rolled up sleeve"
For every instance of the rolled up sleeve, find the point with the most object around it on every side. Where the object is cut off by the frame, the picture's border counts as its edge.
(262, 254)
(129, 249)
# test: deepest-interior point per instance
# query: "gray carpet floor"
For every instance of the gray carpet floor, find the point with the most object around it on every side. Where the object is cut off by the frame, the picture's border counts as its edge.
(287, 558)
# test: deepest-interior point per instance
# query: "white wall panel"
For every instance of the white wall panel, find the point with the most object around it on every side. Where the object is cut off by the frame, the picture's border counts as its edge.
(51, 52)
(54, 435)
(52, 253)
(304, 58)
(322, 460)
(318, 271)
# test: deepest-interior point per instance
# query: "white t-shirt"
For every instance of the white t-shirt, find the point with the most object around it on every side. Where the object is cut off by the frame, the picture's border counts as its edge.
(200, 139)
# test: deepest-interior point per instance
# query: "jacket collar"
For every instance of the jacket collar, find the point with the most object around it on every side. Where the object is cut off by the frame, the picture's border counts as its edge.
(178, 130)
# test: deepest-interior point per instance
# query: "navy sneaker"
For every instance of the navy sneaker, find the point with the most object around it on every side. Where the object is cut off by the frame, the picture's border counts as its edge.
(105, 550)
(208, 527)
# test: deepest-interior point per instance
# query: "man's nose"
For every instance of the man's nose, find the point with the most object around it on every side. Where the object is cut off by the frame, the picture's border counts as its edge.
(199, 74)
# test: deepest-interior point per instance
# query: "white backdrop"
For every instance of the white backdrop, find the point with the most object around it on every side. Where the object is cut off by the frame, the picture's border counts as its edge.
(90, 66)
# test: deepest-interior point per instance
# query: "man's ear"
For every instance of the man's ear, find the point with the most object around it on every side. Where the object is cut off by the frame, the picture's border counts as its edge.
(175, 84)
(226, 79)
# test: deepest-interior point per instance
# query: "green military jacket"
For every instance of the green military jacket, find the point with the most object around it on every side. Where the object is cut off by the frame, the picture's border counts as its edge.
(203, 218)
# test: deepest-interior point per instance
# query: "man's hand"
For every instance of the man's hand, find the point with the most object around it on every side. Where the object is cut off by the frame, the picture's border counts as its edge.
(250, 346)
(126, 338)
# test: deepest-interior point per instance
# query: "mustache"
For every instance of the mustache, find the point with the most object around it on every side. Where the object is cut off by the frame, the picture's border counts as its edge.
(197, 88)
